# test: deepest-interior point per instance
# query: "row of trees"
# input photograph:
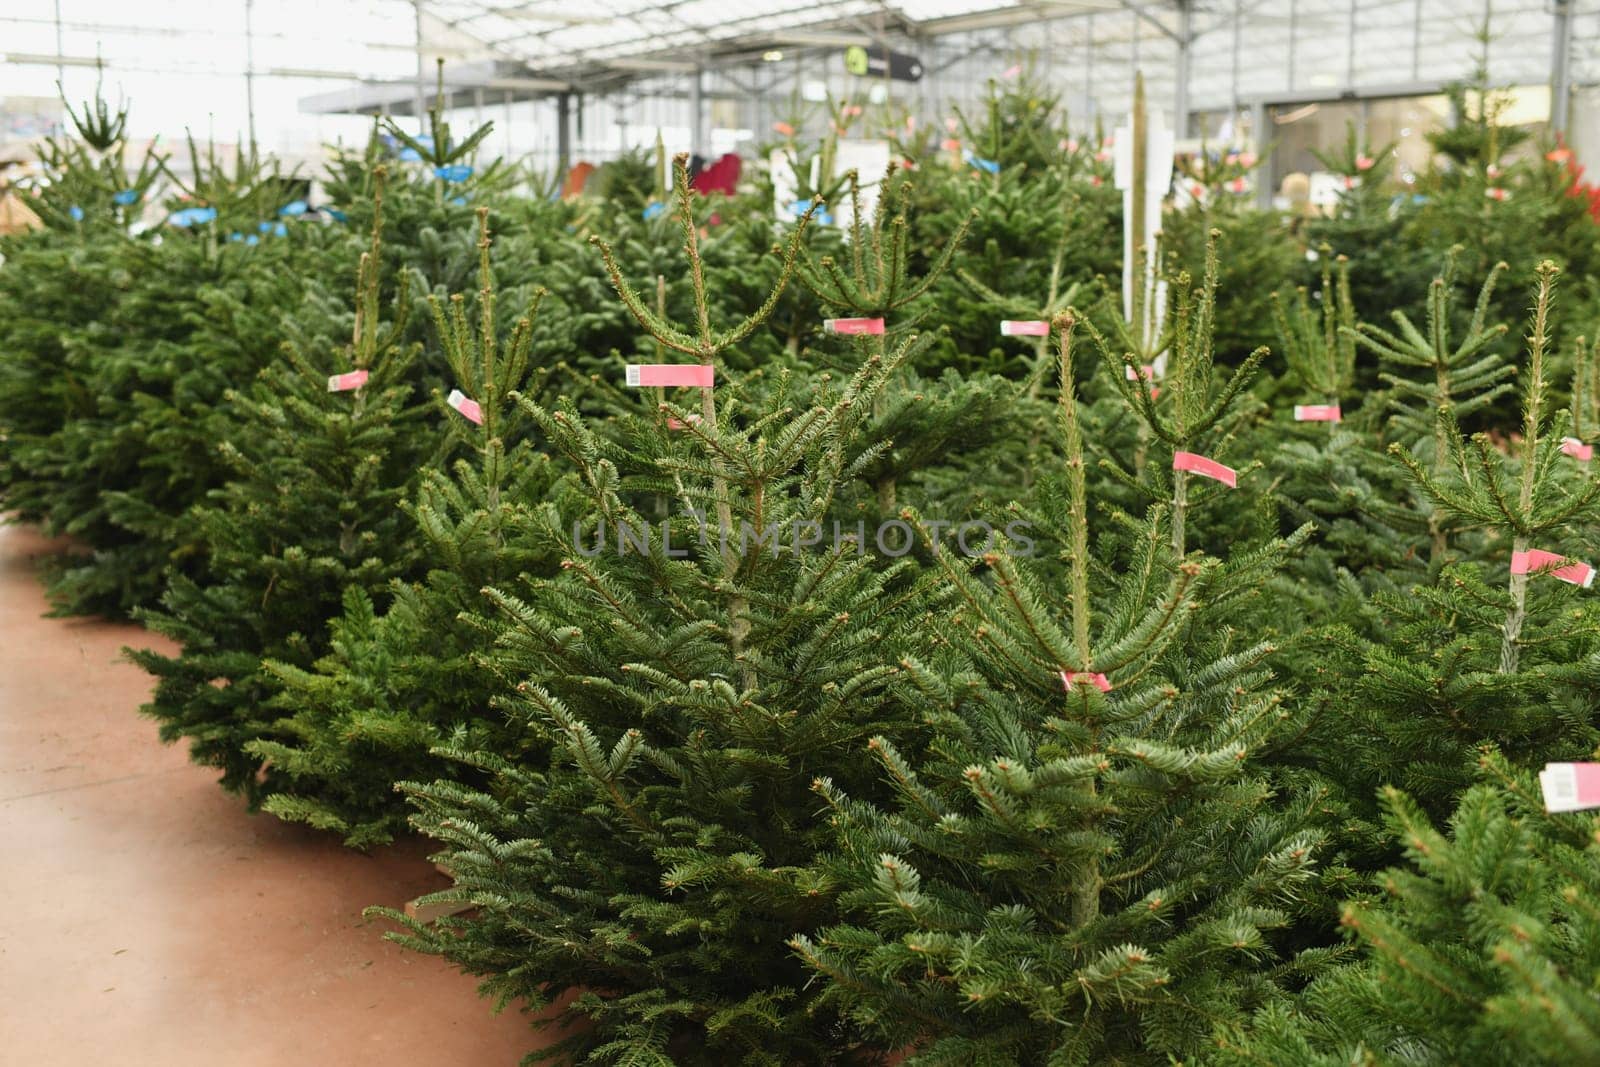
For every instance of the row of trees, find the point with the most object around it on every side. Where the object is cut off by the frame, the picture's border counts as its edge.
(914, 690)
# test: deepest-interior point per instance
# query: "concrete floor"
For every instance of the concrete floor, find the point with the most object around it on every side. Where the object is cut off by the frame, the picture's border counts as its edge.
(146, 919)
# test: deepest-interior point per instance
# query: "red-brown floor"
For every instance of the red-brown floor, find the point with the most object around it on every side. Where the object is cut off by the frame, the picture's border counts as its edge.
(146, 919)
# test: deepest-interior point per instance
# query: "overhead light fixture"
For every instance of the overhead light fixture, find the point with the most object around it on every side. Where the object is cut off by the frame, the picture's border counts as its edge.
(30, 59)
(774, 56)
(304, 72)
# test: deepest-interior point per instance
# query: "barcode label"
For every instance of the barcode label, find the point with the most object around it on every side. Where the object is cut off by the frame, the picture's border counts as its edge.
(1570, 786)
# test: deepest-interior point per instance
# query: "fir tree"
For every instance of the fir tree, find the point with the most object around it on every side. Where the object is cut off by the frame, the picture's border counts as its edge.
(438, 149)
(1085, 876)
(310, 513)
(1429, 670)
(1328, 473)
(1368, 227)
(1189, 411)
(91, 182)
(1481, 948)
(1526, 498)
(1463, 377)
(394, 686)
(1320, 346)
(918, 422)
(674, 697)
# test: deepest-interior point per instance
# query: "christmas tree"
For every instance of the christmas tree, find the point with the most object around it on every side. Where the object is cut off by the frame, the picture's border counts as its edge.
(1190, 416)
(1481, 948)
(917, 424)
(322, 453)
(394, 686)
(648, 839)
(1079, 876)
(1427, 670)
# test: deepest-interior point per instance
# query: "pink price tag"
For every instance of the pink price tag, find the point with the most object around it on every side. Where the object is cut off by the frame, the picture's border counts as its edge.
(1024, 328)
(469, 408)
(343, 383)
(1316, 413)
(698, 375)
(1537, 559)
(872, 326)
(1071, 678)
(678, 424)
(1577, 449)
(1206, 468)
(1570, 786)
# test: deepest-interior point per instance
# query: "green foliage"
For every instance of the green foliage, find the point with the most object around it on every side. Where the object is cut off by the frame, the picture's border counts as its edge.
(737, 747)
(1480, 948)
(309, 516)
(1036, 890)
(653, 842)
(394, 686)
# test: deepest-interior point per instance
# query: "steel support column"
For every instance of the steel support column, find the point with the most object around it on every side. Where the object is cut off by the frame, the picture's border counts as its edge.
(249, 68)
(563, 134)
(421, 71)
(697, 113)
(1180, 74)
(1258, 131)
(1561, 68)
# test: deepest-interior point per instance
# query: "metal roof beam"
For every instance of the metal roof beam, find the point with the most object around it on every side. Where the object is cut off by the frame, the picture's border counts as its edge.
(1144, 12)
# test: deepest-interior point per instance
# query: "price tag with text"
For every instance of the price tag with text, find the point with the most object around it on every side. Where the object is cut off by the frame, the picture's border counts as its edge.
(1570, 786)
(1537, 560)
(468, 407)
(854, 326)
(667, 375)
(343, 383)
(1206, 468)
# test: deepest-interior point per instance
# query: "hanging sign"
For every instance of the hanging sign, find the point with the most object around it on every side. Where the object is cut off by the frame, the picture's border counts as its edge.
(872, 61)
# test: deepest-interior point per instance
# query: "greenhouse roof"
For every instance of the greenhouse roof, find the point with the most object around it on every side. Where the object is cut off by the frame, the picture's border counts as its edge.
(607, 40)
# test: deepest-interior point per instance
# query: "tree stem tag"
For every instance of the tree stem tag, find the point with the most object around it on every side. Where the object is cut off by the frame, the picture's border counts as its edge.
(1316, 413)
(871, 326)
(1206, 468)
(1071, 678)
(1577, 449)
(699, 375)
(343, 383)
(1570, 786)
(469, 408)
(1024, 328)
(1537, 559)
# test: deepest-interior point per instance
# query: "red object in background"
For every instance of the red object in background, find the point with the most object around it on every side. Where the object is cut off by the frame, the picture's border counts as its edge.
(576, 179)
(720, 177)
(1579, 189)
